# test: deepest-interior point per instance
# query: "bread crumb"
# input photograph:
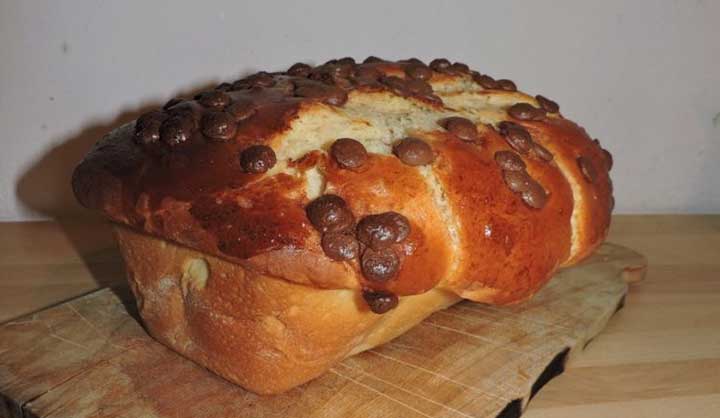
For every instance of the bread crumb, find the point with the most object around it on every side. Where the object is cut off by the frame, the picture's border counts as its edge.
(195, 275)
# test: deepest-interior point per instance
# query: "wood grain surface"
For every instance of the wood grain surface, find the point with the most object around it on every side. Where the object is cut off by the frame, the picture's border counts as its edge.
(659, 357)
(90, 356)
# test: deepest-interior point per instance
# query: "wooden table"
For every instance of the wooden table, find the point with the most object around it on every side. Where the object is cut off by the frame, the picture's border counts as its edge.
(659, 357)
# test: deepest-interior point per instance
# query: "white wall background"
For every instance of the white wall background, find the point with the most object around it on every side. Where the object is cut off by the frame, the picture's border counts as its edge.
(643, 76)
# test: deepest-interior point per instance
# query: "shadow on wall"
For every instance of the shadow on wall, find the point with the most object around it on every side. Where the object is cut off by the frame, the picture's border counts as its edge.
(45, 188)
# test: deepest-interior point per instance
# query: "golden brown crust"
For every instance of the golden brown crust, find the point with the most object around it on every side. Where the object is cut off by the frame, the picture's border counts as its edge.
(593, 199)
(265, 334)
(385, 184)
(507, 249)
(197, 192)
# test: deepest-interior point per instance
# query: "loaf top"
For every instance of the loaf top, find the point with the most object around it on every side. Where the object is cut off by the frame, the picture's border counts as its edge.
(392, 177)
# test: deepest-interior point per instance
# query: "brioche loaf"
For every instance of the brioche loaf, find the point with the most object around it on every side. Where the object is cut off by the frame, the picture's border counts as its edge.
(277, 224)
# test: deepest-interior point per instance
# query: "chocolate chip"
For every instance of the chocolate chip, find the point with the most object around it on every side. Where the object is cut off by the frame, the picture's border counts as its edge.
(367, 82)
(413, 151)
(330, 95)
(330, 74)
(379, 265)
(340, 246)
(240, 85)
(346, 61)
(348, 153)
(547, 104)
(413, 60)
(531, 192)
(506, 85)
(405, 87)
(608, 159)
(517, 136)
(517, 181)
(184, 109)
(176, 129)
(439, 64)
(299, 70)
(587, 169)
(526, 111)
(172, 102)
(213, 99)
(343, 83)
(369, 73)
(257, 159)
(460, 68)
(366, 76)
(223, 87)
(535, 196)
(330, 213)
(372, 59)
(418, 87)
(149, 134)
(396, 84)
(261, 79)
(509, 161)
(462, 128)
(418, 71)
(379, 301)
(339, 70)
(541, 152)
(147, 127)
(322, 75)
(218, 126)
(432, 98)
(241, 109)
(336, 97)
(485, 81)
(149, 117)
(402, 225)
(382, 230)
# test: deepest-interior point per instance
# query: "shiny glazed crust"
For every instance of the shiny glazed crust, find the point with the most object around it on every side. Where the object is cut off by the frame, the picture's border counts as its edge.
(471, 236)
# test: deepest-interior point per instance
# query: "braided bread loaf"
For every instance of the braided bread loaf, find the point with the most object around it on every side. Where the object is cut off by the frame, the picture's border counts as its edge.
(278, 224)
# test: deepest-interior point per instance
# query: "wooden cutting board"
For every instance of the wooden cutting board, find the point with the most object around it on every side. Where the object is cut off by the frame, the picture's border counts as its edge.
(90, 357)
